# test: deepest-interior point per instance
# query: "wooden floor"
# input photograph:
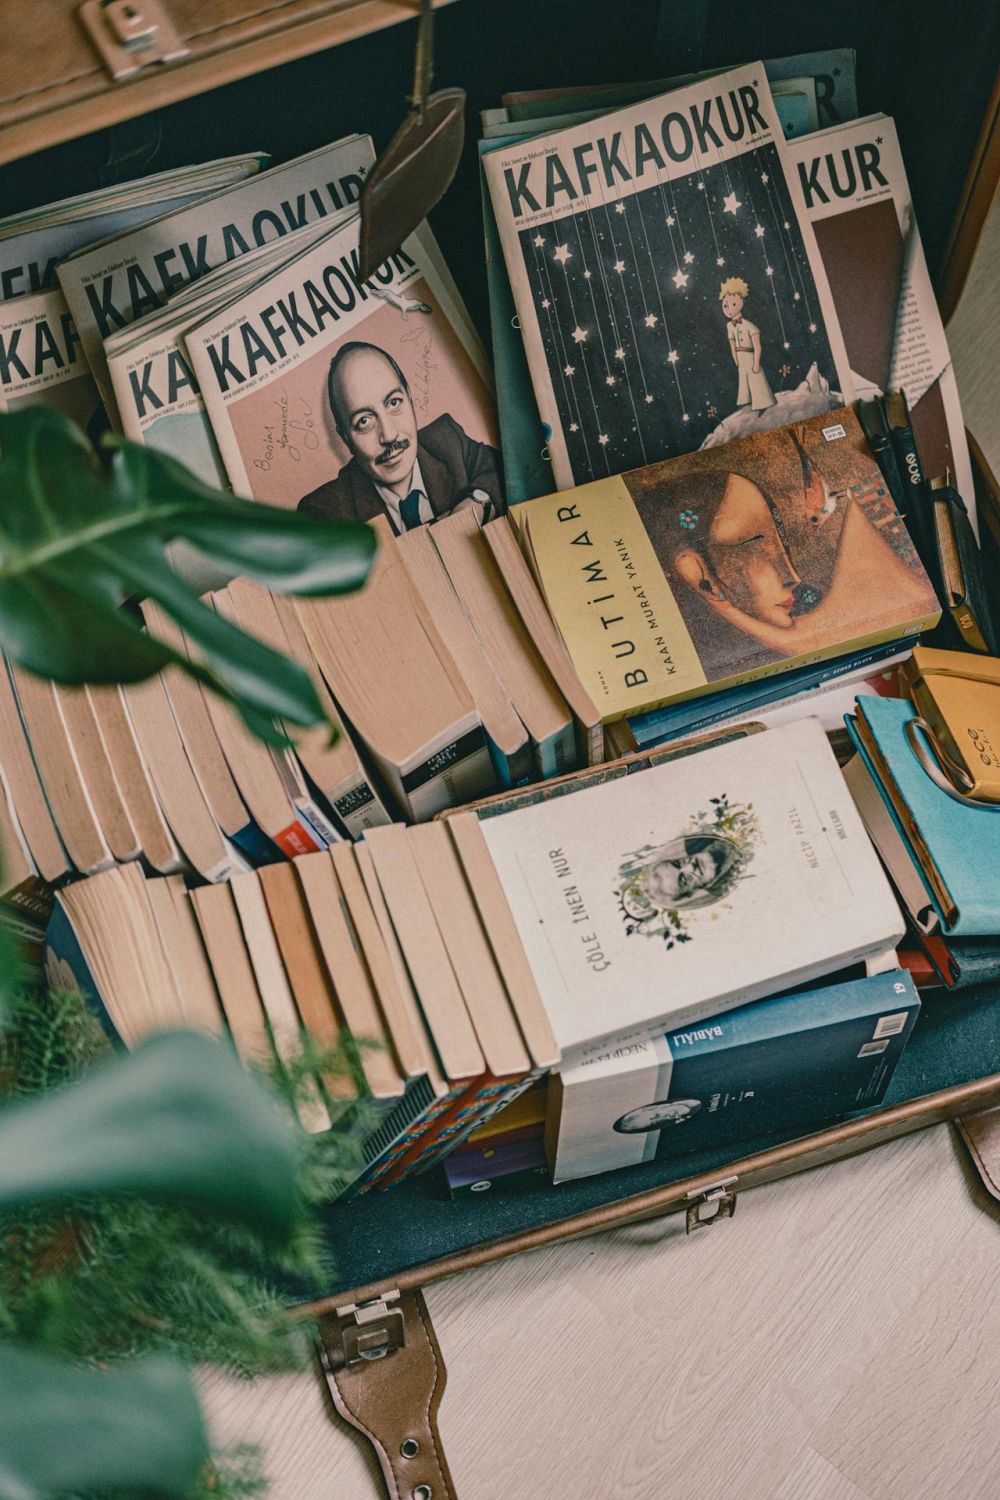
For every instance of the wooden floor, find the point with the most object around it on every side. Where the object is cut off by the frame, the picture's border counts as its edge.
(838, 1339)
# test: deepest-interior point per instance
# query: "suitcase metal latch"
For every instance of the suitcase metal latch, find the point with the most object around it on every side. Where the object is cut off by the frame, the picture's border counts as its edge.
(132, 34)
(718, 1201)
(362, 1332)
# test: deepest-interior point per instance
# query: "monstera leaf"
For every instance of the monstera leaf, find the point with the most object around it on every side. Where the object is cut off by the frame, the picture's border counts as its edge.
(178, 1120)
(76, 539)
(64, 1430)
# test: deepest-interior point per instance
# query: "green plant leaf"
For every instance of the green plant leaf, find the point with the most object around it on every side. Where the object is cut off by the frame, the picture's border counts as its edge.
(177, 1120)
(263, 542)
(76, 539)
(63, 1430)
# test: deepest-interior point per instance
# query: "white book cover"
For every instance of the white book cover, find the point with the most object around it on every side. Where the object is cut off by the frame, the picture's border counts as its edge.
(117, 281)
(347, 397)
(41, 361)
(858, 199)
(654, 901)
(634, 243)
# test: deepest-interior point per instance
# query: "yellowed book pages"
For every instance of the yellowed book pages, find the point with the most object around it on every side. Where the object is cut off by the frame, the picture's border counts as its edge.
(391, 982)
(66, 792)
(27, 795)
(505, 941)
(184, 953)
(275, 992)
(177, 788)
(439, 994)
(469, 949)
(83, 732)
(158, 844)
(230, 963)
(352, 981)
(196, 730)
(306, 970)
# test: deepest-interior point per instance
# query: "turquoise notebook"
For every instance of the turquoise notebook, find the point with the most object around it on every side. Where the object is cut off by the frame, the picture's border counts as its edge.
(964, 841)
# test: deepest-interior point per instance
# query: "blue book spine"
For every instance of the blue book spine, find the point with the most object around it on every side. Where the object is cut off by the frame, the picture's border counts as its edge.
(963, 841)
(258, 848)
(526, 467)
(557, 755)
(701, 713)
(799, 1060)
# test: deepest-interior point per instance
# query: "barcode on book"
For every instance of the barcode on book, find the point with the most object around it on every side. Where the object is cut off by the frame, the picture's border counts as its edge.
(871, 1049)
(891, 1025)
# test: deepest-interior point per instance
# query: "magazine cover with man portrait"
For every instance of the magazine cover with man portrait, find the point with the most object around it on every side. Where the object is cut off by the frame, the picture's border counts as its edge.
(727, 564)
(352, 399)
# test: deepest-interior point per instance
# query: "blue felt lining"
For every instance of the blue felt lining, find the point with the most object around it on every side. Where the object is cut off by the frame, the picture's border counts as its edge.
(956, 1040)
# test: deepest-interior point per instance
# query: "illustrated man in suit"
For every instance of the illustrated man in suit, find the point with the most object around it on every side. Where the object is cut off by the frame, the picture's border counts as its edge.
(412, 474)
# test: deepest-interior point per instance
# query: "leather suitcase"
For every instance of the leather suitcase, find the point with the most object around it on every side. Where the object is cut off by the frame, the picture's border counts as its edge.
(290, 74)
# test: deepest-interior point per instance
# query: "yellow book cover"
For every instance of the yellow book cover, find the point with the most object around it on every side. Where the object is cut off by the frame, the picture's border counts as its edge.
(731, 563)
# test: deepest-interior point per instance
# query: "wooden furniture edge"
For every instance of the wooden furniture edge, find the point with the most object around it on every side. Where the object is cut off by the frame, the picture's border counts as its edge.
(848, 1139)
(978, 194)
(170, 85)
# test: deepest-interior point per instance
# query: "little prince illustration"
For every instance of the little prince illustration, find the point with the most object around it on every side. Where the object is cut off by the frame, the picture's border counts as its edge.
(744, 343)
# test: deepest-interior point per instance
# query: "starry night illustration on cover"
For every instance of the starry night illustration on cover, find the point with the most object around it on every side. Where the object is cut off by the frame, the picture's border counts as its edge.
(669, 290)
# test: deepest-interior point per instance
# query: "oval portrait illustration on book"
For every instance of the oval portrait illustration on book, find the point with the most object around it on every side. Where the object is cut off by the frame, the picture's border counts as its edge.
(779, 550)
(661, 885)
(657, 1116)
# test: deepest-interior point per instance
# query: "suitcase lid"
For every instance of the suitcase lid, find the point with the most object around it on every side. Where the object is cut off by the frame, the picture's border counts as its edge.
(936, 76)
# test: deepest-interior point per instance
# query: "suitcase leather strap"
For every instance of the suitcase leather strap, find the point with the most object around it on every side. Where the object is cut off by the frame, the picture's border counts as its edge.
(386, 1376)
(981, 1133)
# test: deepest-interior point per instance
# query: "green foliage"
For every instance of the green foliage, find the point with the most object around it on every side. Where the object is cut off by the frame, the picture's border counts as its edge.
(178, 1119)
(138, 1427)
(99, 1278)
(149, 1211)
(77, 538)
(105, 1279)
(109, 1278)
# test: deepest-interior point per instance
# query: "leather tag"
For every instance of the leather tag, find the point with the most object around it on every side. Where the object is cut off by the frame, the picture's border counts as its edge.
(981, 1133)
(413, 172)
(394, 1402)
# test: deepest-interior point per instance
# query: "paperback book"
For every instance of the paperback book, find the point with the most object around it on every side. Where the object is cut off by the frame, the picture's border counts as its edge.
(653, 901)
(350, 398)
(633, 243)
(858, 201)
(33, 241)
(118, 280)
(710, 570)
(41, 362)
(776, 1065)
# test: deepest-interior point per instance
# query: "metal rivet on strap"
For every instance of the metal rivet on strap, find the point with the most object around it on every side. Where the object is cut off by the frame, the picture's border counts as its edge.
(409, 1447)
(422, 1492)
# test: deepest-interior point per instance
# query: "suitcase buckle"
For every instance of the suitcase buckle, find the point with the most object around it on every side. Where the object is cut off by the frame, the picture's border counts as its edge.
(131, 34)
(359, 1333)
(719, 1199)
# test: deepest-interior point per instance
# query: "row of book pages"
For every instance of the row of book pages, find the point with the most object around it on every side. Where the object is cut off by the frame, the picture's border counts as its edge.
(623, 828)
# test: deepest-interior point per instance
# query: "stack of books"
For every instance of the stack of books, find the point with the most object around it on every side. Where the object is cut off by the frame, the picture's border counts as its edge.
(723, 477)
(385, 953)
(911, 756)
(467, 957)
(165, 772)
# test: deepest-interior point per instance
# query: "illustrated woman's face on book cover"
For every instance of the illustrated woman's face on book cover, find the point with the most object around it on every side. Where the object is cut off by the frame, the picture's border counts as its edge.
(791, 546)
(743, 556)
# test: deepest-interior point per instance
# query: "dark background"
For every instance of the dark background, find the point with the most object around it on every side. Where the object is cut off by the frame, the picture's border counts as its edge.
(929, 63)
